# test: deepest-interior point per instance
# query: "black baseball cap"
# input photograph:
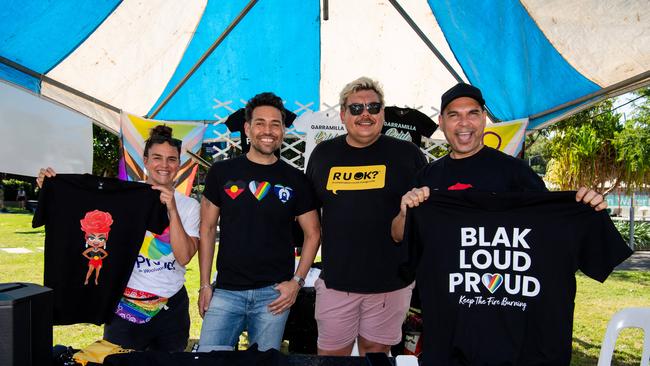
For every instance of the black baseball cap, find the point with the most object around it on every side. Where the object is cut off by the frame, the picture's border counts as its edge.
(458, 91)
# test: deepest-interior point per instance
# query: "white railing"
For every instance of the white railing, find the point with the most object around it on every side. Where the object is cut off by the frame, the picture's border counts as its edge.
(226, 144)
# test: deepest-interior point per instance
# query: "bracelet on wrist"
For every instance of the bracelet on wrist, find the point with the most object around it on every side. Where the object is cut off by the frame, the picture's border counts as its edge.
(299, 280)
(205, 285)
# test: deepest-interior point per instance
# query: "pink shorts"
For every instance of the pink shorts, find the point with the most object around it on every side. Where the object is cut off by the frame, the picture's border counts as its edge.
(342, 316)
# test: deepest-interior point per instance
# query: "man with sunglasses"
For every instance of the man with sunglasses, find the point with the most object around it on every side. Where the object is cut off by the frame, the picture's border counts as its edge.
(359, 179)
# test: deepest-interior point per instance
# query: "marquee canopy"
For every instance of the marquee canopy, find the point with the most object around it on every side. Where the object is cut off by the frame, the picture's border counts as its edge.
(536, 59)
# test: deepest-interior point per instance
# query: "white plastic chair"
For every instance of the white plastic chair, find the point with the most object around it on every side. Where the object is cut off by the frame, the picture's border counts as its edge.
(626, 318)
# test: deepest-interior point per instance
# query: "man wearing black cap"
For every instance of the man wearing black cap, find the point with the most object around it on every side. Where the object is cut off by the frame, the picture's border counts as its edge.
(471, 164)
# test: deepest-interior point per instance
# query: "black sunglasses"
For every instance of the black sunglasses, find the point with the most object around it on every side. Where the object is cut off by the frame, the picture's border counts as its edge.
(357, 108)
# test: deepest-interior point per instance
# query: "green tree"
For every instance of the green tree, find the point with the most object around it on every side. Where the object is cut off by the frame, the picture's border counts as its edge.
(106, 153)
(582, 150)
(633, 147)
(595, 148)
(538, 152)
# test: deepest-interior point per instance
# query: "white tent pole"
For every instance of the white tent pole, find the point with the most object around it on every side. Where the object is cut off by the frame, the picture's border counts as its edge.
(433, 48)
(57, 84)
(426, 40)
(641, 79)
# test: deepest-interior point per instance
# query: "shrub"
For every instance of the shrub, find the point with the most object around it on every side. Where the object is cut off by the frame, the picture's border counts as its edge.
(641, 233)
(11, 189)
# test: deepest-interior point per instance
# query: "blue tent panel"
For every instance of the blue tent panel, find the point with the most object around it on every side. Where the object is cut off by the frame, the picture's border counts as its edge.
(12, 75)
(51, 29)
(283, 56)
(488, 37)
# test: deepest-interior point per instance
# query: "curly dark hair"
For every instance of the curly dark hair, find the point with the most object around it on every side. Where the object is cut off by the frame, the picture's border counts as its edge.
(159, 135)
(263, 99)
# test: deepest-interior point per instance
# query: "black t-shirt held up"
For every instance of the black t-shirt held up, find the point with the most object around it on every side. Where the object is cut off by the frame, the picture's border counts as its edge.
(93, 225)
(496, 273)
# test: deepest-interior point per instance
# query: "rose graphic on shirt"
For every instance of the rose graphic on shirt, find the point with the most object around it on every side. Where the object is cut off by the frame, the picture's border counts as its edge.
(96, 225)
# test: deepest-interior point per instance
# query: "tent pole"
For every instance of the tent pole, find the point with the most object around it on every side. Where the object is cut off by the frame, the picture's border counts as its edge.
(207, 53)
(426, 40)
(635, 79)
(433, 48)
(326, 10)
(57, 84)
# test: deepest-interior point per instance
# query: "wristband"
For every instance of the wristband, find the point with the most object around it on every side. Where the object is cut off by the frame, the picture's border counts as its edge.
(204, 286)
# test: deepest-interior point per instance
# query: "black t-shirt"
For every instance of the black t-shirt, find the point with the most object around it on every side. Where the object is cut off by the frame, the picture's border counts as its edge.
(497, 273)
(69, 202)
(488, 170)
(407, 124)
(360, 191)
(257, 204)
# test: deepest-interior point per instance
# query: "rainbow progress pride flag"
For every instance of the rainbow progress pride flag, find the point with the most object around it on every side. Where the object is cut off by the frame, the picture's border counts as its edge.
(134, 131)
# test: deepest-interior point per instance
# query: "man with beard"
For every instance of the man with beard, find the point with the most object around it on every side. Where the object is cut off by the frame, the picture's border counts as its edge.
(255, 198)
(359, 179)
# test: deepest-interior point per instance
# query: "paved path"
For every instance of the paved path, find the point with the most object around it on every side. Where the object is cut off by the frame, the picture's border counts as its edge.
(639, 261)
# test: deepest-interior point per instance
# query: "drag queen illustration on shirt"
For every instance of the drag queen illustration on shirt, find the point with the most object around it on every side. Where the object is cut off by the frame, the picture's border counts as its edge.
(96, 226)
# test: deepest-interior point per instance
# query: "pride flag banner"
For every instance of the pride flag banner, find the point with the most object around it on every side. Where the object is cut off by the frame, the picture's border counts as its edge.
(134, 131)
(506, 136)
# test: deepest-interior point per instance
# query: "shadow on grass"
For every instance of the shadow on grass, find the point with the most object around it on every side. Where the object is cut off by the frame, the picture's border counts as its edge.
(15, 210)
(39, 231)
(627, 275)
(582, 356)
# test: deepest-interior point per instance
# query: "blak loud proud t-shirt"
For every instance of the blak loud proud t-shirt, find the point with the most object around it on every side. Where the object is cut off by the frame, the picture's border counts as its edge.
(496, 273)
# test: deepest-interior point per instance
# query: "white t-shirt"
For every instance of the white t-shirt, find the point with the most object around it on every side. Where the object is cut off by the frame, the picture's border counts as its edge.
(156, 270)
(318, 127)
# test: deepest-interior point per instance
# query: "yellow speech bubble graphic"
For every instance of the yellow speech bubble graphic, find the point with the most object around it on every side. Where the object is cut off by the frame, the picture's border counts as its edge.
(356, 178)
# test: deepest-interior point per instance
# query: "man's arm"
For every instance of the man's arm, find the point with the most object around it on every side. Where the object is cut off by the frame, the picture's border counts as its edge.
(183, 246)
(208, 235)
(411, 199)
(289, 289)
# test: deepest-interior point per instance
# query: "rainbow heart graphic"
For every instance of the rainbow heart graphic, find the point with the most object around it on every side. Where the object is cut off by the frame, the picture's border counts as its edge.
(492, 281)
(259, 189)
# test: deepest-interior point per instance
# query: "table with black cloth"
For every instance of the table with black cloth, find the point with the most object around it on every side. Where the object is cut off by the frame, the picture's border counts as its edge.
(233, 358)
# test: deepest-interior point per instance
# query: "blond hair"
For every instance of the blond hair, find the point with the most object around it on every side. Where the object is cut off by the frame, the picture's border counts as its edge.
(362, 83)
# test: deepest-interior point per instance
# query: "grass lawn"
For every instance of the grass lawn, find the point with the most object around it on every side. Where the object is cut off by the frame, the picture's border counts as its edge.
(595, 302)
